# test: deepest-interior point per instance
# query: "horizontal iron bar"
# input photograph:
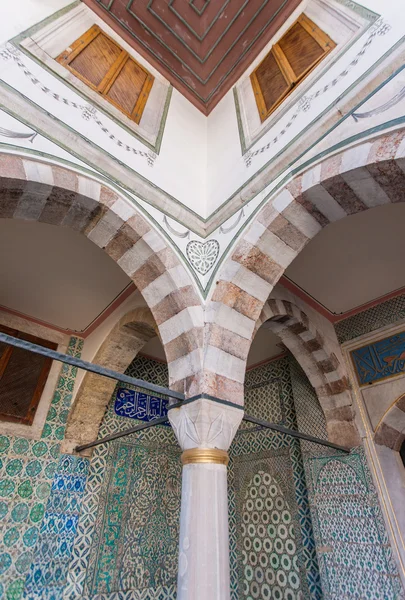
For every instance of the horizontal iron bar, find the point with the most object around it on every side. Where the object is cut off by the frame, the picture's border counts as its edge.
(158, 421)
(104, 372)
(205, 397)
(248, 418)
(120, 434)
(292, 433)
(88, 366)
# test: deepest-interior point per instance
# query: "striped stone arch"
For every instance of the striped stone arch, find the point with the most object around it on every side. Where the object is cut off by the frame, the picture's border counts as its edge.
(323, 369)
(390, 430)
(358, 178)
(117, 351)
(34, 190)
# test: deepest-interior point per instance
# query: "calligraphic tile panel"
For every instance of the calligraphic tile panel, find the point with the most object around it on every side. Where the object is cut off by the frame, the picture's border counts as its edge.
(380, 360)
(138, 405)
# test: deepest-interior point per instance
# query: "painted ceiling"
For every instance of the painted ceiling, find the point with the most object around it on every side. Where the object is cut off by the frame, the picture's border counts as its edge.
(201, 46)
(353, 261)
(55, 275)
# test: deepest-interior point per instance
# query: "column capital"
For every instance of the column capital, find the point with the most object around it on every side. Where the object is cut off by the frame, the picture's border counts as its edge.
(205, 423)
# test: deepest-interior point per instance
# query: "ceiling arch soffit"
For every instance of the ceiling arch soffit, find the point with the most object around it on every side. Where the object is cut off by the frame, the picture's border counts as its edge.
(60, 196)
(202, 256)
(339, 186)
(354, 180)
(323, 369)
(117, 351)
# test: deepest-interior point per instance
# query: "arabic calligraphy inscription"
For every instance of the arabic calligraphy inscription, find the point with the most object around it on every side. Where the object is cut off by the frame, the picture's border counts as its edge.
(380, 360)
(138, 405)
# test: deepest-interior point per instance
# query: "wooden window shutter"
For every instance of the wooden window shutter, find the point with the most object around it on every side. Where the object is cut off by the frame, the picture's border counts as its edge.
(300, 49)
(23, 375)
(270, 84)
(104, 66)
(129, 89)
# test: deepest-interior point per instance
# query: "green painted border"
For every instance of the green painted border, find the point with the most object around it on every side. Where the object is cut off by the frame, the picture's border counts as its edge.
(359, 9)
(323, 154)
(122, 189)
(71, 151)
(205, 220)
(112, 184)
(17, 41)
(239, 191)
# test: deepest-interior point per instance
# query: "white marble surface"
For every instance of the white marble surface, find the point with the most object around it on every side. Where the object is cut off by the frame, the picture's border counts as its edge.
(204, 541)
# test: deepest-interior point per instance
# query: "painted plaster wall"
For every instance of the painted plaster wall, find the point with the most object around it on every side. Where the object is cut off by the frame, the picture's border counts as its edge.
(93, 342)
(20, 15)
(228, 159)
(205, 153)
(184, 146)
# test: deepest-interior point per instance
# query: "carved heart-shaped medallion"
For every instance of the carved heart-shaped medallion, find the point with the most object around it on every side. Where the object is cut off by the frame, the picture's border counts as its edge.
(202, 255)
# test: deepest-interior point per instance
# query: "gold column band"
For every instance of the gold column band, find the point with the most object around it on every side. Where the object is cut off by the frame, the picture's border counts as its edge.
(205, 455)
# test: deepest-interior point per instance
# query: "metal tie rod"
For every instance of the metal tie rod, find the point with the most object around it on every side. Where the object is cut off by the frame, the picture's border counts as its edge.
(105, 372)
(88, 366)
(261, 422)
(293, 433)
(120, 434)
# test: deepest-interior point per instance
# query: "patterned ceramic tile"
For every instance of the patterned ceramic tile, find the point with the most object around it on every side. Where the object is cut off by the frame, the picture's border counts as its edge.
(108, 530)
(308, 411)
(268, 527)
(355, 558)
(269, 394)
(383, 314)
(127, 541)
(48, 572)
(27, 471)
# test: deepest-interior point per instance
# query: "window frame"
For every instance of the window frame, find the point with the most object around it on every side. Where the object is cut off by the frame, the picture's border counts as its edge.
(282, 62)
(42, 379)
(68, 55)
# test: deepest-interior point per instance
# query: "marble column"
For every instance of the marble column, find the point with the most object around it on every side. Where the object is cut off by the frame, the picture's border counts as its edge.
(205, 430)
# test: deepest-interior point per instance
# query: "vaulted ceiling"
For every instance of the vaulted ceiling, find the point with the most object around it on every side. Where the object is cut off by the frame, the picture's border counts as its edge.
(55, 275)
(201, 46)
